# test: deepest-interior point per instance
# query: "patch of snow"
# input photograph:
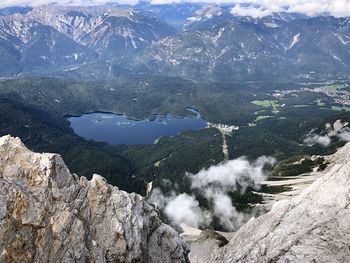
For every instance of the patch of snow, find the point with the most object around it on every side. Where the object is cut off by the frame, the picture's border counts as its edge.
(194, 19)
(271, 25)
(295, 40)
(342, 39)
(71, 69)
(240, 58)
(219, 34)
(174, 62)
(337, 58)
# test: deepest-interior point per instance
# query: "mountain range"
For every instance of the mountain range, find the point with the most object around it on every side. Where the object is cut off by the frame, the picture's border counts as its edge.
(200, 43)
(53, 37)
(247, 48)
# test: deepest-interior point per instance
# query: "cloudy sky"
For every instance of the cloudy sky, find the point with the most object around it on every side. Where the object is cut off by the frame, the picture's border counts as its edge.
(255, 8)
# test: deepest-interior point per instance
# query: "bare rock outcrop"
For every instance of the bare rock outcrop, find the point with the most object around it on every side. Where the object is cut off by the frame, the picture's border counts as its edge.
(311, 227)
(48, 214)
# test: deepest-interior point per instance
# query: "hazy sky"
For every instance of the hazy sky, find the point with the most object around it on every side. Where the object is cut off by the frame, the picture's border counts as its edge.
(257, 7)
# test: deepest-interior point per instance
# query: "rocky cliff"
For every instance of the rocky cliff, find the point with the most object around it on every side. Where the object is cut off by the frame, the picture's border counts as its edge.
(312, 227)
(48, 214)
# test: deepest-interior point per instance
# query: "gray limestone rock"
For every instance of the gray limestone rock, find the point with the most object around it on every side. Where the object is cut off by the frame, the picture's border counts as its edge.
(311, 227)
(48, 214)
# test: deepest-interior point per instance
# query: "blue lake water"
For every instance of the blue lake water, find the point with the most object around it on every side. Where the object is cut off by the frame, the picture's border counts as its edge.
(119, 129)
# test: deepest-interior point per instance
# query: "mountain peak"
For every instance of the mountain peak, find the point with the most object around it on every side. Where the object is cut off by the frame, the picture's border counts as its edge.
(128, 13)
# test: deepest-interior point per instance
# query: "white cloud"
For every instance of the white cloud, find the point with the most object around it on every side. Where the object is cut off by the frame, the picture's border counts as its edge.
(230, 173)
(35, 3)
(344, 135)
(162, 2)
(214, 184)
(256, 8)
(335, 7)
(184, 209)
(338, 8)
(227, 214)
(339, 130)
(313, 139)
(254, 11)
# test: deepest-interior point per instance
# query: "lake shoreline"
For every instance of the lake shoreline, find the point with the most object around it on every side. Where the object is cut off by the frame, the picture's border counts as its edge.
(116, 129)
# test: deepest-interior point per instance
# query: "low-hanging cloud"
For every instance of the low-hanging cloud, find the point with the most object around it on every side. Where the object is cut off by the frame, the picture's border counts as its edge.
(312, 139)
(254, 11)
(338, 130)
(260, 8)
(255, 8)
(239, 171)
(184, 209)
(180, 209)
(36, 3)
(344, 135)
(213, 184)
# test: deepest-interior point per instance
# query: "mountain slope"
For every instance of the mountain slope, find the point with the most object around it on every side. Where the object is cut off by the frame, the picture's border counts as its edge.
(246, 48)
(312, 227)
(34, 45)
(50, 215)
(48, 47)
(11, 56)
(174, 14)
(105, 29)
(53, 38)
(124, 31)
(14, 9)
(208, 17)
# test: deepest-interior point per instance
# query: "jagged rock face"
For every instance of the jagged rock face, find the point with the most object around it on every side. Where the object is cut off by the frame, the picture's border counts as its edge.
(209, 17)
(312, 227)
(109, 31)
(50, 215)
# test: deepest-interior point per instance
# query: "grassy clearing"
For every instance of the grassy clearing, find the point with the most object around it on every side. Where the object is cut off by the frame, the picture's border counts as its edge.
(266, 103)
(336, 86)
(300, 106)
(320, 103)
(341, 108)
(259, 118)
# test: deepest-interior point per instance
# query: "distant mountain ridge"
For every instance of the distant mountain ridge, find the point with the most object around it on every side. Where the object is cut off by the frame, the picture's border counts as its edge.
(246, 48)
(53, 36)
(105, 29)
(104, 41)
(208, 17)
(14, 9)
